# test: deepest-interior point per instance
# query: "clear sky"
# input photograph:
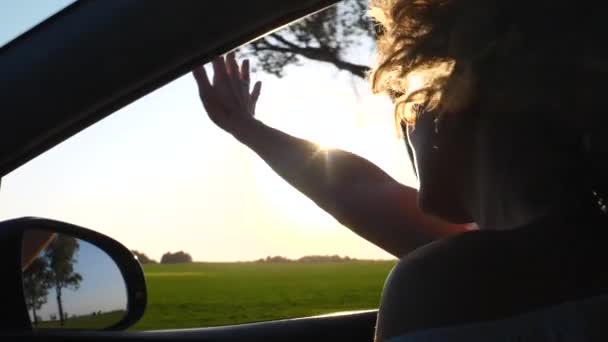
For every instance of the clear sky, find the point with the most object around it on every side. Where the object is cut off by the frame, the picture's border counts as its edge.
(19, 16)
(158, 176)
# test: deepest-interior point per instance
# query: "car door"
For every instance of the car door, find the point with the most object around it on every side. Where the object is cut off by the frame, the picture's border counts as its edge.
(97, 56)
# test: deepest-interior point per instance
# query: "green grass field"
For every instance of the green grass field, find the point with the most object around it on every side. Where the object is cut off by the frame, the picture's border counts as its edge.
(96, 322)
(212, 294)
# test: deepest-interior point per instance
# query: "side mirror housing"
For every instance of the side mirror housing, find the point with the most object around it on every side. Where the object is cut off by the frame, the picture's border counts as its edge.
(61, 276)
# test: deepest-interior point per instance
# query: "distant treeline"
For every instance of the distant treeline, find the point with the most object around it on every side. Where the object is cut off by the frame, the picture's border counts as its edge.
(307, 258)
(180, 257)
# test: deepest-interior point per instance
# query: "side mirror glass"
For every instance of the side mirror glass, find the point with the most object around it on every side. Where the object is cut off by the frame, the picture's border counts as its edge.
(69, 283)
(68, 277)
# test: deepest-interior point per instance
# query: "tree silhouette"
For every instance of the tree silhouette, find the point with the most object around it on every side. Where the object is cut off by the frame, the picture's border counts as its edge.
(36, 284)
(180, 257)
(143, 258)
(326, 36)
(60, 257)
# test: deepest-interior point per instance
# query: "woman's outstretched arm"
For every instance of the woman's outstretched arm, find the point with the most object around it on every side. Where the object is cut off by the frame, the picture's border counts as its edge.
(354, 191)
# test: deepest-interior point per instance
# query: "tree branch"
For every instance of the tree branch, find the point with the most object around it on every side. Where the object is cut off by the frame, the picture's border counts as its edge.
(317, 54)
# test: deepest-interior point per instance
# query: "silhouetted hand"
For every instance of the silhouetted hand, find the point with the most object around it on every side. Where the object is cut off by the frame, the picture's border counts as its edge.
(228, 101)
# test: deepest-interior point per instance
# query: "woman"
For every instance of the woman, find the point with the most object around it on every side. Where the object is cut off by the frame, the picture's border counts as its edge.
(505, 134)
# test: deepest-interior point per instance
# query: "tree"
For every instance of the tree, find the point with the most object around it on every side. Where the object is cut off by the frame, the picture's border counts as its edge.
(36, 284)
(326, 36)
(176, 258)
(143, 259)
(60, 257)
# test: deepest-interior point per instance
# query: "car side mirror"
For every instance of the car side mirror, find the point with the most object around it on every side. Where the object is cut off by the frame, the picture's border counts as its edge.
(62, 276)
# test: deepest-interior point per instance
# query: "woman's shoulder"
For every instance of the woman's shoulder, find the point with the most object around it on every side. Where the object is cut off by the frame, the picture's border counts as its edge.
(449, 281)
(482, 276)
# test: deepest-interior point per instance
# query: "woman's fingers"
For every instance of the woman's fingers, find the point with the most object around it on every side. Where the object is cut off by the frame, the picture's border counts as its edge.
(208, 95)
(219, 71)
(255, 93)
(245, 71)
(205, 89)
(244, 74)
(222, 82)
(232, 66)
(237, 85)
(200, 75)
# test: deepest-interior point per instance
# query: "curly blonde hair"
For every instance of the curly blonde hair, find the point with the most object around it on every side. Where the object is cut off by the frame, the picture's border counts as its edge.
(498, 55)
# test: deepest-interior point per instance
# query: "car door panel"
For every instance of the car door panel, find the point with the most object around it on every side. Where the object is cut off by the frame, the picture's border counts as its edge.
(345, 327)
